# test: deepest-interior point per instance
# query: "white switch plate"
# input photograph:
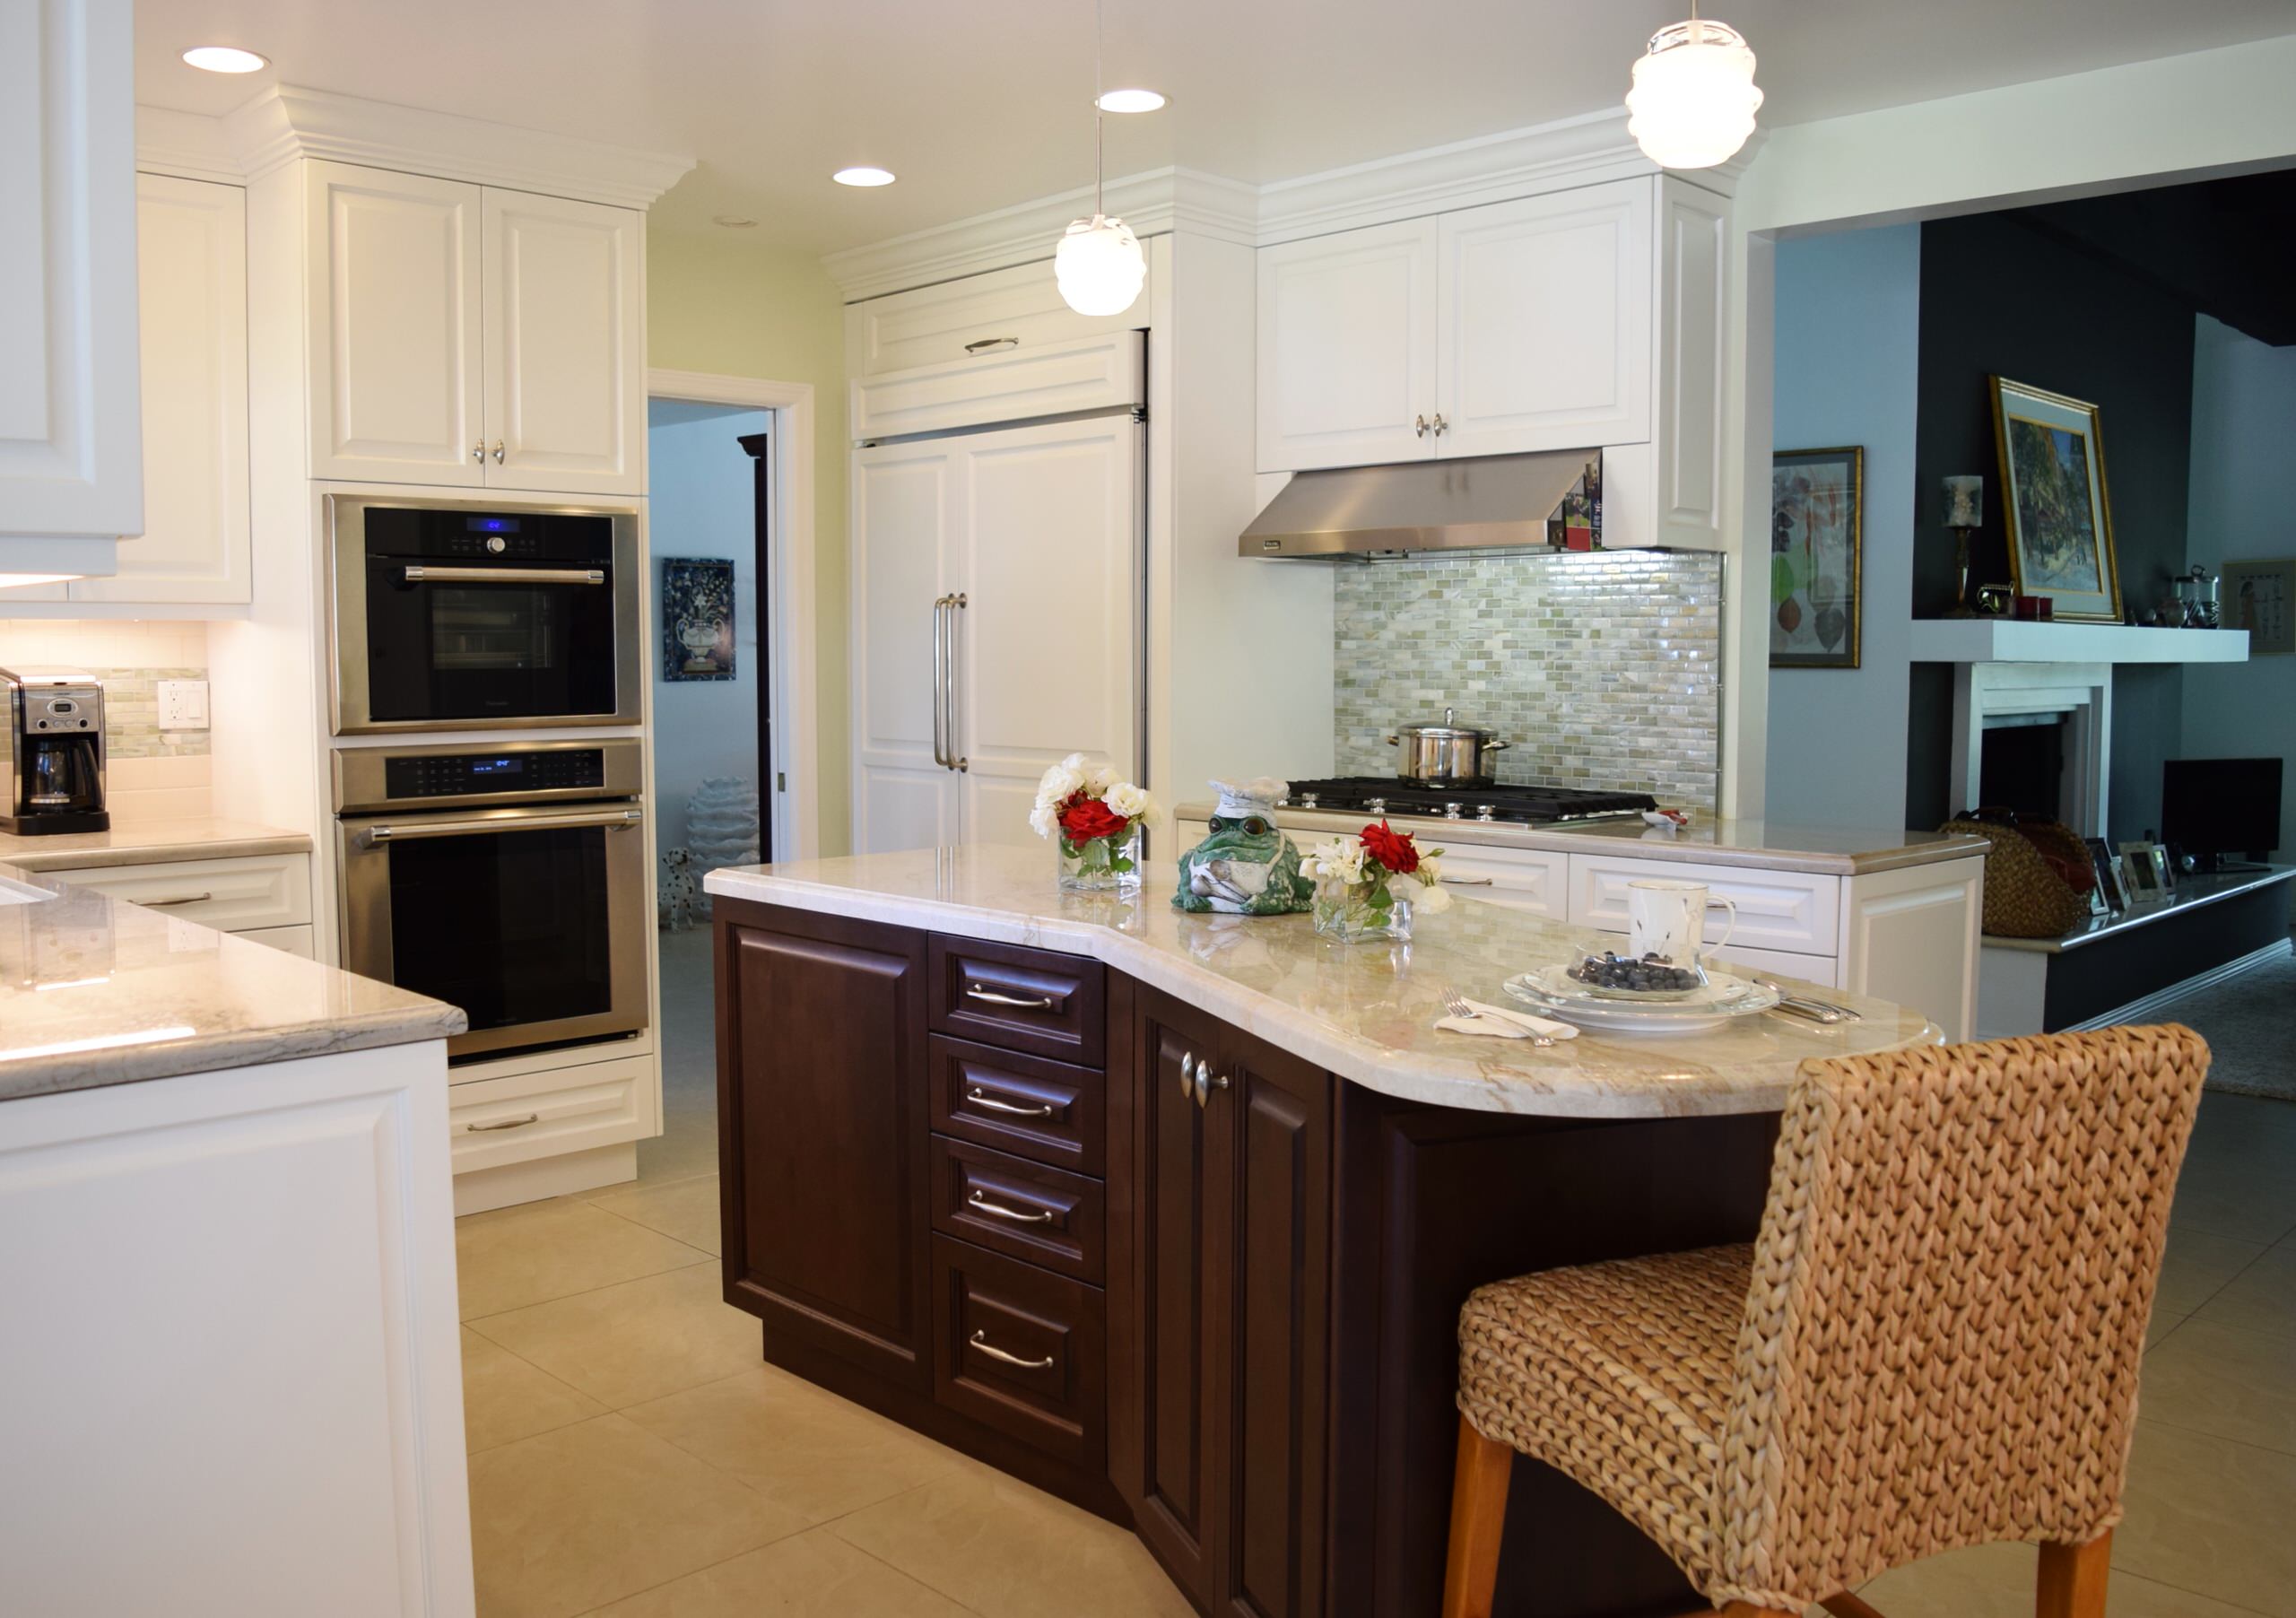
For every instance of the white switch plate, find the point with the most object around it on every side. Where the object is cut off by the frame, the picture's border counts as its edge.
(183, 705)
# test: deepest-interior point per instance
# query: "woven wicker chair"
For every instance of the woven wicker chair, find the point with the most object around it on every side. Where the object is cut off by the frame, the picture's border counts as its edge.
(1934, 1343)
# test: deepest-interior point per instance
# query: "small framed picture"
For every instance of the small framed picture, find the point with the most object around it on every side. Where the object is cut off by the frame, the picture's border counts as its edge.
(2260, 597)
(2109, 899)
(2145, 867)
(2055, 509)
(1816, 554)
(697, 618)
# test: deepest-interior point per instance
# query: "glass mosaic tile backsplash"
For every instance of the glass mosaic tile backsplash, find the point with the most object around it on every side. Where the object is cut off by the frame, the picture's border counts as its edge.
(1603, 670)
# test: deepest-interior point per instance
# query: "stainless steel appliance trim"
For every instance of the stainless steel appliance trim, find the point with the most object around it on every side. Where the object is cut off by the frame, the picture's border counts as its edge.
(612, 820)
(350, 706)
(359, 784)
(426, 574)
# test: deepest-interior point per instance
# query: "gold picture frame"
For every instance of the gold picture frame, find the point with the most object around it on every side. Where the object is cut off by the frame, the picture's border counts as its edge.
(1817, 557)
(2055, 505)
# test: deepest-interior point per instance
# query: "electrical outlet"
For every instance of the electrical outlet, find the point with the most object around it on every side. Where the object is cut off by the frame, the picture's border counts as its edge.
(183, 705)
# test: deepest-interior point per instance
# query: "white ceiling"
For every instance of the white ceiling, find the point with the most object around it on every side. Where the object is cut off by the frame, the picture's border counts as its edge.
(977, 104)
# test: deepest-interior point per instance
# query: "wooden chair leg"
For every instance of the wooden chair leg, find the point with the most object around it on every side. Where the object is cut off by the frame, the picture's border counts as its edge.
(1742, 1609)
(2072, 1582)
(1848, 1606)
(1478, 1519)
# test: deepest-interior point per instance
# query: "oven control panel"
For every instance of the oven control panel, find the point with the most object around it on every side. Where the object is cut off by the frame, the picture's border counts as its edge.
(474, 774)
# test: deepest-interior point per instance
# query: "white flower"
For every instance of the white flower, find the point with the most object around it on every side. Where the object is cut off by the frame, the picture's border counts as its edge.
(1043, 819)
(1131, 802)
(1100, 780)
(1058, 785)
(1340, 858)
(1431, 899)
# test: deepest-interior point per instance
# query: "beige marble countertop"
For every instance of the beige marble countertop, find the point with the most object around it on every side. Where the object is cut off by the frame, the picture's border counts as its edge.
(96, 991)
(149, 842)
(1765, 845)
(1366, 1011)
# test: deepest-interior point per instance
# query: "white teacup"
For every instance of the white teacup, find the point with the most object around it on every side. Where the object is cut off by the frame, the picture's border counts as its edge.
(1668, 919)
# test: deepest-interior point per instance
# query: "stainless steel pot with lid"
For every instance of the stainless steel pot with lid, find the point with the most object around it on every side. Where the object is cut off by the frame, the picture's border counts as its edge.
(1448, 754)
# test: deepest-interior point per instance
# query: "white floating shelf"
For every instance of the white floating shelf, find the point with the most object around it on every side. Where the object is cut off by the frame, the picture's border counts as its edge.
(2012, 640)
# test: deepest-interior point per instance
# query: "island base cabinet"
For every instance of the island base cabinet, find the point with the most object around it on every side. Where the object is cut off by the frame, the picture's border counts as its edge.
(1234, 1149)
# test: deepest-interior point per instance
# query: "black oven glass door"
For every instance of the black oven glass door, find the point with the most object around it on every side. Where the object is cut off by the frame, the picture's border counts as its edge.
(493, 647)
(513, 927)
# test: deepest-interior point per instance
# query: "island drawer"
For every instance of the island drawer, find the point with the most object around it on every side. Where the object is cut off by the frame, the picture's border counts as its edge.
(1036, 1001)
(1021, 1209)
(1049, 1112)
(1791, 910)
(1021, 1350)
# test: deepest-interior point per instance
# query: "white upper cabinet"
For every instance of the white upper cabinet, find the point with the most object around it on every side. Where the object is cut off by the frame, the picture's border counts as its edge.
(192, 260)
(1347, 348)
(1544, 315)
(462, 334)
(974, 317)
(396, 389)
(565, 321)
(71, 464)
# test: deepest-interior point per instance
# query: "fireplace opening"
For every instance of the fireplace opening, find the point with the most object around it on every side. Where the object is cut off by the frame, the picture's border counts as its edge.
(2022, 765)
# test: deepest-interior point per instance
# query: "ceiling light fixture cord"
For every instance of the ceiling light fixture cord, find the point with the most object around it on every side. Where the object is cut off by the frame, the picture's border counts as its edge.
(1099, 117)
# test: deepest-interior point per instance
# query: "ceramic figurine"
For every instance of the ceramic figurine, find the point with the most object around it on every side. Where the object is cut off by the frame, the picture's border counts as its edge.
(1245, 865)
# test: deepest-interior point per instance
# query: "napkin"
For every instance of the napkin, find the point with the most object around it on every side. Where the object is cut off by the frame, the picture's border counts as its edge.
(1499, 1022)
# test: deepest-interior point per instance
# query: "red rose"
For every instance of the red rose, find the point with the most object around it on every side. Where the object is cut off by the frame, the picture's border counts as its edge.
(1086, 818)
(1392, 849)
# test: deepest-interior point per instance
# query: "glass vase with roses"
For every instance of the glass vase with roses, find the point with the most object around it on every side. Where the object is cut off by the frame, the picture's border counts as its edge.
(1359, 895)
(1094, 818)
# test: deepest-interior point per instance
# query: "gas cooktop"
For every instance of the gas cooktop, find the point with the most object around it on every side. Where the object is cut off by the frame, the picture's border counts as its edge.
(1512, 805)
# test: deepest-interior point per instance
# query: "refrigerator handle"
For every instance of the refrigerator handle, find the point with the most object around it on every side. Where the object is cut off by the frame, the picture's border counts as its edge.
(956, 761)
(940, 678)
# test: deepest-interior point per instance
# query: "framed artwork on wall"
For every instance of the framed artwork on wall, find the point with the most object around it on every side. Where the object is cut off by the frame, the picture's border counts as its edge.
(1817, 544)
(697, 618)
(2055, 502)
(2260, 597)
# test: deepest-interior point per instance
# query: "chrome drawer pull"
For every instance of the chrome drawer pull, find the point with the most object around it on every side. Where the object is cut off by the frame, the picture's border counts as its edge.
(981, 1099)
(532, 1117)
(162, 904)
(1470, 882)
(980, 1341)
(982, 345)
(989, 996)
(978, 1201)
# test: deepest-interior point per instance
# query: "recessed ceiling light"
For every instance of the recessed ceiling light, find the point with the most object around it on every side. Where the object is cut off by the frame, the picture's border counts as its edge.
(1130, 101)
(224, 59)
(733, 222)
(864, 174)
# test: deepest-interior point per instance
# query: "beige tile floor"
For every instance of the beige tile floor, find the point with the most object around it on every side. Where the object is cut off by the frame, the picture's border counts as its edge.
(631, 1455)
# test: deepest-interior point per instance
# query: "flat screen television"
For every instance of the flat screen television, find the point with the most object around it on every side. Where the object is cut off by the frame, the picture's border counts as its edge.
(2211, 808)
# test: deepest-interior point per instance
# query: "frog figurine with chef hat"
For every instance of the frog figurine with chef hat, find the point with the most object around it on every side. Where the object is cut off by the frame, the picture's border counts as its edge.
(1245, 865)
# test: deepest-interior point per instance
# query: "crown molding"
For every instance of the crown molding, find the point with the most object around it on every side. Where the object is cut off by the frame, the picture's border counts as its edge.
(1153, 202)
(285, 123)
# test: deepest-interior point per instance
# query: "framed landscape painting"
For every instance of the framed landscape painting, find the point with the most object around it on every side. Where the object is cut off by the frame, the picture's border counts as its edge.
(2058, 515)
(1816, 554)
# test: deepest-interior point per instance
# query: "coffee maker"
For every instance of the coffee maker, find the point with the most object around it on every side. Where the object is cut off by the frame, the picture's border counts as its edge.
(54, 749)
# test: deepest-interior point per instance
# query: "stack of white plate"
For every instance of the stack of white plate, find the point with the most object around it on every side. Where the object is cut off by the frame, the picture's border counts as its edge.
(1553, 992)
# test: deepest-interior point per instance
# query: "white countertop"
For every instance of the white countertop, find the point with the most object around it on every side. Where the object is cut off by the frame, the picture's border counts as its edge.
(149, 842)
(1366, 1011)
(1766, 845)
(96, 991)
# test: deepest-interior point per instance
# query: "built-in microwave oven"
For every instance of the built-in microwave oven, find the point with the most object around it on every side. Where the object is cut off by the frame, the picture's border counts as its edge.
(454, 615)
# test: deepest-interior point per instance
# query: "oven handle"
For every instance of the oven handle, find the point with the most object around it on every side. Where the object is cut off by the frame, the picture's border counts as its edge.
(428, 575)
(614, 820)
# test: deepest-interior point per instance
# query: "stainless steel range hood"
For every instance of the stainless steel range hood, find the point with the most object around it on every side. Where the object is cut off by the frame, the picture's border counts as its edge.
(1484, 503)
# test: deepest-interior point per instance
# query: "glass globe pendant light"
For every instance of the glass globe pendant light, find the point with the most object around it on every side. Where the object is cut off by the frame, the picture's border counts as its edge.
(1694, 95)
(1099, 262)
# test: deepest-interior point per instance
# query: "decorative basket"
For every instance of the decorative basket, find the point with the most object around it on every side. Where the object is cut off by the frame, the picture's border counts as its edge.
(2024, 895)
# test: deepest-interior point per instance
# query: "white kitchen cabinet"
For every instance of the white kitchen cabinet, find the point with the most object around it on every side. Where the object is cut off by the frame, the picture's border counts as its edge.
(1543, 322)
(192, 277)
(466, 336)
(242, 894)
(1002, 312)
(1032, 536)
(1348, 340)
(564, 322)
(71, 462)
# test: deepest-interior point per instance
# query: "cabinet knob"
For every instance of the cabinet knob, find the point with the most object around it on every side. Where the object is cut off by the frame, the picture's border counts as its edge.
(1187, 1075)
(1419, 426)
(1440, 427)
(498, 443)
(1206, 1081)
(478, 453)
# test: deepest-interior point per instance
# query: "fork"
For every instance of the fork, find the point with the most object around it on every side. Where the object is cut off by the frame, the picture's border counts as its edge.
(1457, 1005)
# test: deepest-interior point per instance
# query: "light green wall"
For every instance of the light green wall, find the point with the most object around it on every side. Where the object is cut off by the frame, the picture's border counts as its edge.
(742, 310)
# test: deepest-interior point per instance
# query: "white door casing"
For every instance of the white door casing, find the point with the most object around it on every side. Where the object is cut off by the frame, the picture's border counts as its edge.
(1347, 348)
(564, 341)
(396, 389)
(904, 515)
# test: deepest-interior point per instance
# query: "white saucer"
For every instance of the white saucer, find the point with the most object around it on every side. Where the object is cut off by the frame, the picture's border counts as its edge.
(1626, 1017)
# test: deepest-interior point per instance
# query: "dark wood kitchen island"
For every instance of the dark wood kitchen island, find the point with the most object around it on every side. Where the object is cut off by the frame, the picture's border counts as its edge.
(1172, 1214)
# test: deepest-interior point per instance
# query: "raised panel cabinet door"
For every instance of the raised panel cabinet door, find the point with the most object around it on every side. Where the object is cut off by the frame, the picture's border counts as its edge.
(1186, 1156)
(1051, 526)
(903, 509)
(974, 317)
(70, 465)
(1347, 348)
(191, 247)
(1544, 313)
(396, 385)
(1278, 1110)
(822, 1134)
(565, 324)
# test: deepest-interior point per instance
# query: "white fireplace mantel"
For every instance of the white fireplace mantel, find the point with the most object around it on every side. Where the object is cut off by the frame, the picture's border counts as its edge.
(2012, 640)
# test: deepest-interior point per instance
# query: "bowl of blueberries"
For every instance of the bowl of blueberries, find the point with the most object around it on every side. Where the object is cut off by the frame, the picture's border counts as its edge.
(1648, 978)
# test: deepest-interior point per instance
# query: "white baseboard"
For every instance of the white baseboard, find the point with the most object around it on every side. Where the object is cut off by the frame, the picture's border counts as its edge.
(2151, 1006)
(544, 1177)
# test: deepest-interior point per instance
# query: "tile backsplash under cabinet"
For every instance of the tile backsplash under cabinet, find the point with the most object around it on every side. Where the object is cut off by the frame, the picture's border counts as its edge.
(1601, 670)
(152, 774)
